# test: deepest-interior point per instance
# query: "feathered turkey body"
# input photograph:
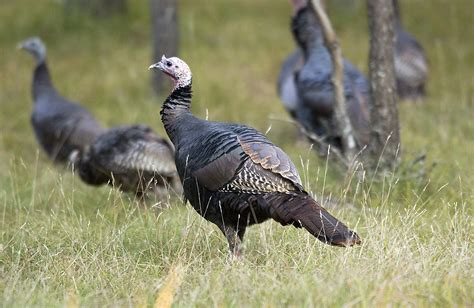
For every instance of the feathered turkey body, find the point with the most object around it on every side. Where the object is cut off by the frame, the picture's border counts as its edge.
(234, 176)
(286, 86)
(60, 126)
(315, 89)
(133, 158)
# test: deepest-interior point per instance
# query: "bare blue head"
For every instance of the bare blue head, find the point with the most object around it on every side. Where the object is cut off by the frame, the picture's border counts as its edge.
(35, 47)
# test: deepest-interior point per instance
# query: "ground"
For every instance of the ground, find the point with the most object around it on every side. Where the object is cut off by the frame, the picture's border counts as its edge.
(65, 243)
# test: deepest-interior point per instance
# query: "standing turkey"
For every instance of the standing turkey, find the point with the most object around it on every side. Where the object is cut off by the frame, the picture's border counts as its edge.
(411, 66)
(60, 126)
(133, 158)
(314, 100)
(234, 176)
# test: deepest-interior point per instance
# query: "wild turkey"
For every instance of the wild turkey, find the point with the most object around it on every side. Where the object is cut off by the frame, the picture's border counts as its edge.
(60, 126)
(133, 158)
(315, 103)
(234, 176)
(411, 66)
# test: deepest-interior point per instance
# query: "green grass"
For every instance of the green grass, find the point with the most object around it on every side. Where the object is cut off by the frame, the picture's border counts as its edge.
(62, 242)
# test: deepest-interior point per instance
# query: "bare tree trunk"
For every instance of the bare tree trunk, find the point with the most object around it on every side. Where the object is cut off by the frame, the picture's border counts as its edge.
(96, 8)
(343, 122)
(385, 139)
(165, 37)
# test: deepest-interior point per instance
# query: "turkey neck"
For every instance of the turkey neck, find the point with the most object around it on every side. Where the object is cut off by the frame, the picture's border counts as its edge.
(41, 80)
(310, 38)
(318, 57)
(176, 110)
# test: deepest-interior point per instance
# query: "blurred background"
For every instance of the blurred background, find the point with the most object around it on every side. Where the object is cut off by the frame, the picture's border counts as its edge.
(99, 56)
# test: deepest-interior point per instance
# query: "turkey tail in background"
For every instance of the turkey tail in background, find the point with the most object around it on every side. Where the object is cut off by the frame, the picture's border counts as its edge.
(303, 211)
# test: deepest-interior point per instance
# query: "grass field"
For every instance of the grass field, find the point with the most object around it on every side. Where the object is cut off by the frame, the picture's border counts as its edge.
(65, 243)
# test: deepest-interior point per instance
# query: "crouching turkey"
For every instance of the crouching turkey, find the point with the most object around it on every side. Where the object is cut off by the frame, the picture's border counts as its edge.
(234, 176)
(132, 158)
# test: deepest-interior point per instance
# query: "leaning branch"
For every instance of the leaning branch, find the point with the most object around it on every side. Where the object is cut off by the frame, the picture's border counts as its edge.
(340, 112)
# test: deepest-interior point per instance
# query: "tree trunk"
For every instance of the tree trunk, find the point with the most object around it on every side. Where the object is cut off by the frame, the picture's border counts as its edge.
(384, 147)
(98, 8)
(165, 37)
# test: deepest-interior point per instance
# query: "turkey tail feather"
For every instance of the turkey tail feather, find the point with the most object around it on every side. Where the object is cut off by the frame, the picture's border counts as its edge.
(303, 211)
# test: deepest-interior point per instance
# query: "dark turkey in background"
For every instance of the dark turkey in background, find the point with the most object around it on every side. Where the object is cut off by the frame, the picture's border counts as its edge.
(411, 65)
(60, 126)
(305, 85)
(133, 158)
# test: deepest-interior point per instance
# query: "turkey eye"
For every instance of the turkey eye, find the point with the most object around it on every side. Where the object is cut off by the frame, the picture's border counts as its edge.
(169, 64)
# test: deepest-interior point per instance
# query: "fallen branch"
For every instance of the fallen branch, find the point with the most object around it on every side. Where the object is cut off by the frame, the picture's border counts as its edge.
(319, 141)
(324, 145)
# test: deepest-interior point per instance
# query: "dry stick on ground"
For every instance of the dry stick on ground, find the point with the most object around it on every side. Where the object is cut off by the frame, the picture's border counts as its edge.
(324, 145)
(340, 112)
(317, 140)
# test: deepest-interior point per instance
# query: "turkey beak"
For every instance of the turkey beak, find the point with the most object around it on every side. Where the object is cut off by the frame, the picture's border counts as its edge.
(19, 46)
(154, 66)
(158, 65)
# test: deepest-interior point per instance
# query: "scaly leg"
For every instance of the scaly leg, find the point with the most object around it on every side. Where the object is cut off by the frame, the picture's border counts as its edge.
(234, 238)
